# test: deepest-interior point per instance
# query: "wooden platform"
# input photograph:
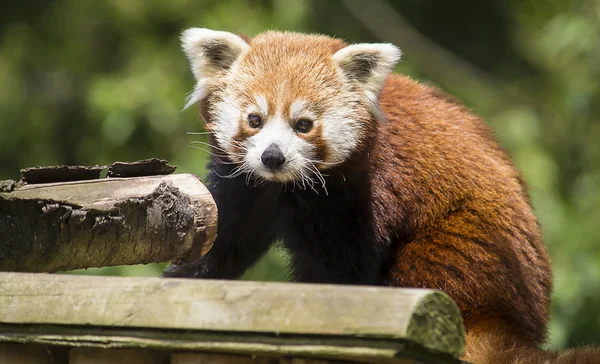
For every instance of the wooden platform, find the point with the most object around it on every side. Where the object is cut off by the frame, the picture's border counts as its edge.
(277, 320)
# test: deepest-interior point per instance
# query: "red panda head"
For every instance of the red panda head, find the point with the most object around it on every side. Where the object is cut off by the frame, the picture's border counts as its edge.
(286, 105)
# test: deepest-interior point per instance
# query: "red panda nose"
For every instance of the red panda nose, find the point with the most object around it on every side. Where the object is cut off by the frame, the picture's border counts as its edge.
(272, 157)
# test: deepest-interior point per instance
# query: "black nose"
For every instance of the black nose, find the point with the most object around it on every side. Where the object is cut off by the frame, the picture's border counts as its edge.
(272, 157)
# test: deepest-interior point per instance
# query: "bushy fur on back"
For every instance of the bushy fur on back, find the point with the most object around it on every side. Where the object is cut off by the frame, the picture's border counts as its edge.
(394, 183)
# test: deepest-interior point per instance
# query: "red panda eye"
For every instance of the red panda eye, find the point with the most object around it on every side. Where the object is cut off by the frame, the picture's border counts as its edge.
(304, 125)
(254, 120)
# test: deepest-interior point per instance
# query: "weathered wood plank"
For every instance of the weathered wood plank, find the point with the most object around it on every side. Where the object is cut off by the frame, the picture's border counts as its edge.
(428, 318)
(112, 221)
(338, 348)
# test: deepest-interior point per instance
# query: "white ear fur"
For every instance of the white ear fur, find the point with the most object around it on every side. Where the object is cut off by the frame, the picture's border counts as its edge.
(369, 64)
(209, 51)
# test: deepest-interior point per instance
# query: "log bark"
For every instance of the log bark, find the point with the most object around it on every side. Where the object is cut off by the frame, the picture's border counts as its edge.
(62, 226)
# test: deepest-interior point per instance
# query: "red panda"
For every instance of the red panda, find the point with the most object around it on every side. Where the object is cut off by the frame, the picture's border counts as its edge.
(368, 178)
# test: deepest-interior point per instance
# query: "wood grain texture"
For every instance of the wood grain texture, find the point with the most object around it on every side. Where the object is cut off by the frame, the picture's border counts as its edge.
(111, 221)
(233, 307)
(367, 350)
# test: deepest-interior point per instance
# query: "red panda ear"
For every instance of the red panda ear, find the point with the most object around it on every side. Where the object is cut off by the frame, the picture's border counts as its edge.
(369, 65)
(209, 51)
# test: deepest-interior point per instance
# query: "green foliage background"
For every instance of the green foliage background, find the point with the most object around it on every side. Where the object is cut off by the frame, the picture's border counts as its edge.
(84, 82)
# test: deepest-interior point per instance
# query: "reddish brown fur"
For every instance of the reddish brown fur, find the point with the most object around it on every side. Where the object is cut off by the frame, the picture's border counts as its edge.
(315, 137)
(472, 231)
(440, 178)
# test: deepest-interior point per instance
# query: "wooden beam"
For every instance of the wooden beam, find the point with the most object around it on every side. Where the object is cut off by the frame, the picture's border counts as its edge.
(62, 226)
(425, 318)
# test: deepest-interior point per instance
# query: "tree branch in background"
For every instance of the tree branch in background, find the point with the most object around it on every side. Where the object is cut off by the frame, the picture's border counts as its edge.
(435, 61)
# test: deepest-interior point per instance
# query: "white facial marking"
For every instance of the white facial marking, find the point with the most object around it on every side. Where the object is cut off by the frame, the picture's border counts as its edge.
(226, 123)
(297, 108)
(263, 105)
(340, 132)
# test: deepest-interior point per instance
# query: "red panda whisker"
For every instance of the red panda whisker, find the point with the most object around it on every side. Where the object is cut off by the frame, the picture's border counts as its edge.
(306, 174)
(205, 122)
(293, 176)
(199, 132)
(309, 179)
(207, 125)
(235, 172)
(239, 144)
(248, 176)
(322, 162)
(207, 151)
(243, 149)
(260, 181)
(217, 156)
(314, 169)
(306, 177)
(209, 145)
(298, 177)
(303, 179)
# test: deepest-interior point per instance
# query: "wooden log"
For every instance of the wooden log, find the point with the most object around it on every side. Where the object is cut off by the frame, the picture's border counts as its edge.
(112, 221)
(233, 316)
